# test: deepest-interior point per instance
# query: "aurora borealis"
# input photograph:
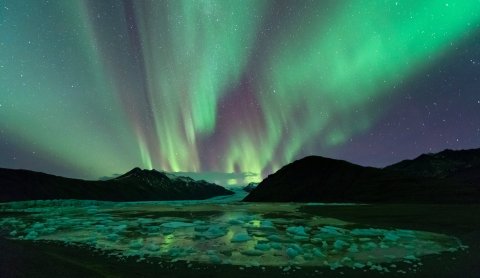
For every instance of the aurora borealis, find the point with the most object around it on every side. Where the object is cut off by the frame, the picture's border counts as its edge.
(231, 90)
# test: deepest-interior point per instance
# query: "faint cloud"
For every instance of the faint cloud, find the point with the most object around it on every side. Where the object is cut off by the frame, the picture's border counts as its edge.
(221, 178)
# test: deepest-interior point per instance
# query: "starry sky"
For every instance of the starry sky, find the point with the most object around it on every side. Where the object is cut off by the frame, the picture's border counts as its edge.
(231, 90)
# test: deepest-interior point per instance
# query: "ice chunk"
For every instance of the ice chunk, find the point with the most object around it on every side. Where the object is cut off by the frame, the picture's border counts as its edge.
(263, 246)
(405, 233)
(267, 224)
(292, 253)
(177, 224)
(48, 230)
(358, 265)
(367, 232)
(100, 228)
(119, 228)
(332, 230)
(240, 237)
(215, 259)
(214, 232)
(392, 236)
(136, 243)
(152, 229)
(410, 258)
(91, 209)
(38, 226)
(324, 245)
(153, 247)
(298, 230)
(369, 245)
(339, 244)
(112, 237)
(31, 235)
(276, 245)
(383, 245)
(353, 248)
(335, 265)
(297, 248)
(318, 253)
(144, 221)
(376, 267)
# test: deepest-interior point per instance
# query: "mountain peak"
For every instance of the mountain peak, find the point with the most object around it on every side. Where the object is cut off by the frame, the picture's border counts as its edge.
(137, 172)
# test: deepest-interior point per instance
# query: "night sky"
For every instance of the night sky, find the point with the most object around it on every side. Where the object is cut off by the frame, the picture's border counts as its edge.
(231, 90)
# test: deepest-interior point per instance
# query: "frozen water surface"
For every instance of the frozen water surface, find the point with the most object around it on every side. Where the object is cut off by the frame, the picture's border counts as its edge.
(221, 231)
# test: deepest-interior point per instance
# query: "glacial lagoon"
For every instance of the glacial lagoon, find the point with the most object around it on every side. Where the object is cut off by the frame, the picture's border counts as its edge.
(223, 231)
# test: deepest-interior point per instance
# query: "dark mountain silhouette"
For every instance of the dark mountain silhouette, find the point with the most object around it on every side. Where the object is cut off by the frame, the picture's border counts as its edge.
(445, 177)
(135, 185)
(461, 165)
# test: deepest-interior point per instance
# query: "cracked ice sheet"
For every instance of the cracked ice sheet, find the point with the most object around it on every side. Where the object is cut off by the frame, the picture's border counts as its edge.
(231, 233)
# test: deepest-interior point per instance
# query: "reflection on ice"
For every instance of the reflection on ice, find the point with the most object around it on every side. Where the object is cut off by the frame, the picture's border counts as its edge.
(221, 233)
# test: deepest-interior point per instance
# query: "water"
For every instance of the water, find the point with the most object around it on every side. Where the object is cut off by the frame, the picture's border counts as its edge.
(221, 231)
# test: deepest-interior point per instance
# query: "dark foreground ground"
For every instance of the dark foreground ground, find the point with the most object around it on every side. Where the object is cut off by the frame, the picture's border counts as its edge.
(43, 259)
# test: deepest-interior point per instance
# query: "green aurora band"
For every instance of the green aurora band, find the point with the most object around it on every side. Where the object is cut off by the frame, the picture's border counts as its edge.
(102, 86)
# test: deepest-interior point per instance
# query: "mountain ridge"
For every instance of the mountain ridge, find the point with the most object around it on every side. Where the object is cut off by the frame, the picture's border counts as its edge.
(134, 185)
(420, 180)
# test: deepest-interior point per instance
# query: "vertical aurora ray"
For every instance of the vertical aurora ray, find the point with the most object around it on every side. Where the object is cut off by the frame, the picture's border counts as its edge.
(122, 57)
(320, 84)
(232, 86)
(194, 55)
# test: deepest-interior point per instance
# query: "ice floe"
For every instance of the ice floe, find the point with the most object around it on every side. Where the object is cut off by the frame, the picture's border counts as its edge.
(240, 237)
(222, 233)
